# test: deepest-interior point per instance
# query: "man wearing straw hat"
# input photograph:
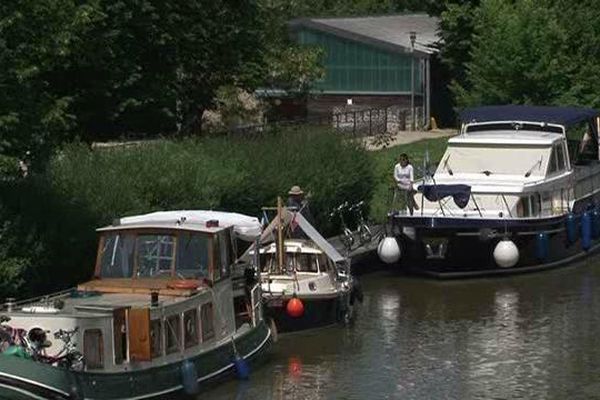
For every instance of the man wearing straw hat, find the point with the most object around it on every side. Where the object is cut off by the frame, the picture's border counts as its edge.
(297, 202)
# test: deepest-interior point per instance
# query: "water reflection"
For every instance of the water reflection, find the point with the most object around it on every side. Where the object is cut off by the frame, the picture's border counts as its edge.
(532, 336)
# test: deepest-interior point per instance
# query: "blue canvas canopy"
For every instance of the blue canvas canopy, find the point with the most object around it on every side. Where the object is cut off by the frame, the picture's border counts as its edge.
(460, 193)
(565, 116)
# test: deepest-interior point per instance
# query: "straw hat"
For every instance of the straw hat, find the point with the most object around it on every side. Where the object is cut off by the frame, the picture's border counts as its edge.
(295, 190)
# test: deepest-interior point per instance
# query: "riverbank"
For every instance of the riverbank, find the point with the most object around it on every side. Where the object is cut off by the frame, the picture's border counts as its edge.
(50, 247)
(48, 240)
(400, 138)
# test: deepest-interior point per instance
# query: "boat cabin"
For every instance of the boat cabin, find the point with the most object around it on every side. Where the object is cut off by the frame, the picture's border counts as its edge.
(518, 168)
(161, 291)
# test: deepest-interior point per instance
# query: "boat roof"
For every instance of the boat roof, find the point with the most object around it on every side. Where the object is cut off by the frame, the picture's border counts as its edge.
(566, 116)
(245, 227)
(507, 137)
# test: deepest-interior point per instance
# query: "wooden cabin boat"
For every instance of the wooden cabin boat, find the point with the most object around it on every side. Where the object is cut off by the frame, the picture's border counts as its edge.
(517, 190)
(160, 316)
(306, 283)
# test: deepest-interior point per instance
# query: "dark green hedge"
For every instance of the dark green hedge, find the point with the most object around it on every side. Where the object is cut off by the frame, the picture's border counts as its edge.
(48, 239)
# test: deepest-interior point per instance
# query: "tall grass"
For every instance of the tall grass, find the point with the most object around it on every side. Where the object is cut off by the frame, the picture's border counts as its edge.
(49, 241)
(213, 173)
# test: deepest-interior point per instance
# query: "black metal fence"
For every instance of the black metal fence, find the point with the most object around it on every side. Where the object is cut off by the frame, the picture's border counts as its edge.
(352, 123)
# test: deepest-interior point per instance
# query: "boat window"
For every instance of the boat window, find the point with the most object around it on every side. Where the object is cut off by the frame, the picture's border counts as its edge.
(155, 255)
(547, 203)
(156, 338)
(192, 255)
(324, 264)
(477, 158)
(225, 252)
(207, 320)
(93, 349)
(536, 204)
(306, 263)
(222, 244)
(560, 156)
(173, 333)
(190, 326)
(529, 206)
(265, 260)
(552, 162)
(557, 159)
(290, 262)
(116, 256)
(582, 143)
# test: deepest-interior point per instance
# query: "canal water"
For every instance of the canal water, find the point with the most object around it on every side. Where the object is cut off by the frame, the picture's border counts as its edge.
(531, 336)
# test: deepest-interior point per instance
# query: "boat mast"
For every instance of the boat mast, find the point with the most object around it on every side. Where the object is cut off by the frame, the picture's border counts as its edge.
(280, 249)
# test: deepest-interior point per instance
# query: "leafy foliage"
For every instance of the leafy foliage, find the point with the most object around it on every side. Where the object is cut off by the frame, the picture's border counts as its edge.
(522, 51)
(99, 69)
(38, 40)
(52, 247)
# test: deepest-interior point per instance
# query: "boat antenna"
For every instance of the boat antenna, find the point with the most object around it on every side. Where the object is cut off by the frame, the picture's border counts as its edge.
(280, 249)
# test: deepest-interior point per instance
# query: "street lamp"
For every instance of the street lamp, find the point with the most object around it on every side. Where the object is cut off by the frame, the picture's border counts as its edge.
(413, 38)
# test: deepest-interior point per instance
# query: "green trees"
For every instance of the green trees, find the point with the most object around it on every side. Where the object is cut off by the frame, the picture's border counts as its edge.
(97, 69)
(38, 40)
(522, 51)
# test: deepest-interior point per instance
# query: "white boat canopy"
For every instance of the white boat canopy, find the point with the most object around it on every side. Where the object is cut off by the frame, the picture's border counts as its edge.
(245, 227)
(288, 216)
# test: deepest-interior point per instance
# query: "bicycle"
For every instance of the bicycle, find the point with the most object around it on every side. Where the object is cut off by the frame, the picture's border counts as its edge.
(68, 357)
(347, 237)
(362, 230)
(10, 336)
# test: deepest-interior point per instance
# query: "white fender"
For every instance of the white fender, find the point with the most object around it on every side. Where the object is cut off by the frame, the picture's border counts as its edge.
(506, 253)
(388, 250)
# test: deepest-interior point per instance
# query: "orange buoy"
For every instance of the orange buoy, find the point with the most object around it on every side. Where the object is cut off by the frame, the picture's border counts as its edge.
(294, 307)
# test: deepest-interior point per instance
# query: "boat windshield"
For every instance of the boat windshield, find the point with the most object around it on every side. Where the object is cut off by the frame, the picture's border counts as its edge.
(297, 262)
(125, 255)
(510, 160)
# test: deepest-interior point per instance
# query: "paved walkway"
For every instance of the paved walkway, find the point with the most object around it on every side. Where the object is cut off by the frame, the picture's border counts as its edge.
(404, 137)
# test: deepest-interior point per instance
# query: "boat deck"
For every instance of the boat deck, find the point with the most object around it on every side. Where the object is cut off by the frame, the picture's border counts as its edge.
(99, 297)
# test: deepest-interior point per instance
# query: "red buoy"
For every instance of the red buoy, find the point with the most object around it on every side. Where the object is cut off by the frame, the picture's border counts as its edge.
(295, 367)
(295, 308)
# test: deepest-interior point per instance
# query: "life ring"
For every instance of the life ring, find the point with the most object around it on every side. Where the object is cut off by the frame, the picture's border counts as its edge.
(185, 284)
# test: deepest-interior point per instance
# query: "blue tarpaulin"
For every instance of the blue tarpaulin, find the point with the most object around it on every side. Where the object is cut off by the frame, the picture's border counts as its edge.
(460, 193)
(566, 116)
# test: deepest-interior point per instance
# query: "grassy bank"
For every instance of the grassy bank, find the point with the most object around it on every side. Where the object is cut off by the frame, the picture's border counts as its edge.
(47, 239)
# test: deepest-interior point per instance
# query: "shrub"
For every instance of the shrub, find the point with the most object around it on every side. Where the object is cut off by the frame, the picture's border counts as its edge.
(53, 216)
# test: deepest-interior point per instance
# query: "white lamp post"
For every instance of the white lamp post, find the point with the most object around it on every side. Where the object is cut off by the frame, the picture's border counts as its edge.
(413, 38)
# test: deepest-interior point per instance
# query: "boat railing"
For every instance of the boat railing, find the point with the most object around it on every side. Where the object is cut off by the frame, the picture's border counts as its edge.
(40, 299)
(255, 298)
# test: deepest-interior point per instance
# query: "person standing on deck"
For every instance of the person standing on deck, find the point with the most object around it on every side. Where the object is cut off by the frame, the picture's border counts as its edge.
(404, 177)
(297, 202)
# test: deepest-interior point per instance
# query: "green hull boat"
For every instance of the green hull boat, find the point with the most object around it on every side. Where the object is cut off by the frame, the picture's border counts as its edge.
(164, 313)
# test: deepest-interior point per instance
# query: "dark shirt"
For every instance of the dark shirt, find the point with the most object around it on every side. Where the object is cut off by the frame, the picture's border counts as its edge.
(294, 204)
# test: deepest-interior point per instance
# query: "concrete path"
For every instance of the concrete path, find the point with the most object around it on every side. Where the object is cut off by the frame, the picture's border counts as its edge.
(404, 137)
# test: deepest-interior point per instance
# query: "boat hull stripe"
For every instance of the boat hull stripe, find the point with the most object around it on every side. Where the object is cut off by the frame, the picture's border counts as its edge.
(201, 379)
